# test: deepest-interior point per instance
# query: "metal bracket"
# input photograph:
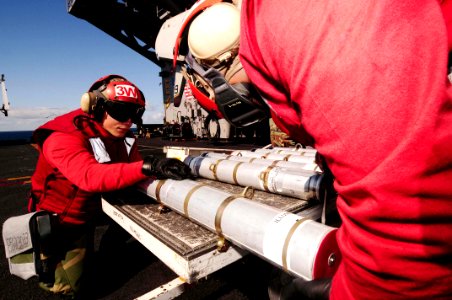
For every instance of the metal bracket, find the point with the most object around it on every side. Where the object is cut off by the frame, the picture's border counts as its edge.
(163, 209)
(248, 192)
(222, 244)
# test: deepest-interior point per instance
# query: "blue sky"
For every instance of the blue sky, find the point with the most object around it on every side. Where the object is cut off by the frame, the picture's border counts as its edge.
(50, 58)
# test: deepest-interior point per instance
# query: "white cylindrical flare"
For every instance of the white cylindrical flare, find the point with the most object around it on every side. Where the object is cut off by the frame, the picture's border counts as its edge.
(298, 245)
(308, 163)
(282, 150)
(298, 147)
(293, 156)
(300, 184)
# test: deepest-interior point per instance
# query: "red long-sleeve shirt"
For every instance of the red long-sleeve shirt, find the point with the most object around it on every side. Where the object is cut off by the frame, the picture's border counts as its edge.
(78, 163)
(366, 82)
(74, 159)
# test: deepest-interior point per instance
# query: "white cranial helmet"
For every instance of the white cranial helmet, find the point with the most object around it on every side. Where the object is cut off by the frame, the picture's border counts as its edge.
(214, 34)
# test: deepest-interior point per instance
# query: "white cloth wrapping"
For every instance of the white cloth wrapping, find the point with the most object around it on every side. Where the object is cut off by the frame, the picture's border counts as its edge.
(17, 238)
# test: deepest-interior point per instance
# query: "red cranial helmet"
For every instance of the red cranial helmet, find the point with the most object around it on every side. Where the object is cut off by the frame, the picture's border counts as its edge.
(112, 89)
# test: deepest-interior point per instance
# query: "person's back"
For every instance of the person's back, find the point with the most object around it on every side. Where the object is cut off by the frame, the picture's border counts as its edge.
(367, 82)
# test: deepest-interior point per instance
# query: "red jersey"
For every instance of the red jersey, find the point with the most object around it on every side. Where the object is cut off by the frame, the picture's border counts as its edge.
(446, 7)
(365, 82)
(79, 160)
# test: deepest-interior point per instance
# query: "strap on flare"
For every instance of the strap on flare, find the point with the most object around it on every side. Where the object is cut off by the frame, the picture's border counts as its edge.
(234, 174)
(287, 241)
(264, 177)
(298, 146)
(219, 214)
(188, 197)
(213, 167)
(248, 192)
(274, 163)
(157, 190)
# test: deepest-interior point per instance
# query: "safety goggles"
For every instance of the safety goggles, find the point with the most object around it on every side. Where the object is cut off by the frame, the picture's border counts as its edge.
(122, 112)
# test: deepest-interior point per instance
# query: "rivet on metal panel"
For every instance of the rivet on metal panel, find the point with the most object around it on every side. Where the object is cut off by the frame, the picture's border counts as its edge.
(331, 259)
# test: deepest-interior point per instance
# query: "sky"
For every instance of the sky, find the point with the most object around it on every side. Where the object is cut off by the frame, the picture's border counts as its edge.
(50, 58)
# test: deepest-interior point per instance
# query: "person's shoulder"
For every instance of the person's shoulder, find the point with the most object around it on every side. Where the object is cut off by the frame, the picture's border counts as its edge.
(65, 135)
(63, 139)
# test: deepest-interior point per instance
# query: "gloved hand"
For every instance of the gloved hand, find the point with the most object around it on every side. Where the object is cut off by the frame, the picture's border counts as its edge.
(164, 168)
(286, 287)
(318, 289)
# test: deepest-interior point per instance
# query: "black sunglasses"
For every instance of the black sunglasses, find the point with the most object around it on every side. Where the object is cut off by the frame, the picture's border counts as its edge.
(122, 112)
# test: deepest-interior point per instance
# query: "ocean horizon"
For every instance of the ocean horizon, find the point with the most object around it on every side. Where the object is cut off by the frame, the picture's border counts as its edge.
(19, 136)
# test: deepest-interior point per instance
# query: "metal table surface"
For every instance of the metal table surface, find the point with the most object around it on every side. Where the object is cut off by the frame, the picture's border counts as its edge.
(187, 248)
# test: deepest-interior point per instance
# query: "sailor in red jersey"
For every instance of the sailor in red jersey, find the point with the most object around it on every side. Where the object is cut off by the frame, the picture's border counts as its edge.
(84, 153)
(364, 82)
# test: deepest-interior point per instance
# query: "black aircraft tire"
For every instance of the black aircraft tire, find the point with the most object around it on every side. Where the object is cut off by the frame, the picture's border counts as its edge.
(212, 118)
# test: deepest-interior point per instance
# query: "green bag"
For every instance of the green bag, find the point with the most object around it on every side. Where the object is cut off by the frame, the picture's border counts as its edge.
(22, 236)
(34, 248)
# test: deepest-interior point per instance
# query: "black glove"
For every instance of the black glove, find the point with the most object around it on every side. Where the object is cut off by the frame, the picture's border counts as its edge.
(299, 288)
(286, 287)
(164, 168)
